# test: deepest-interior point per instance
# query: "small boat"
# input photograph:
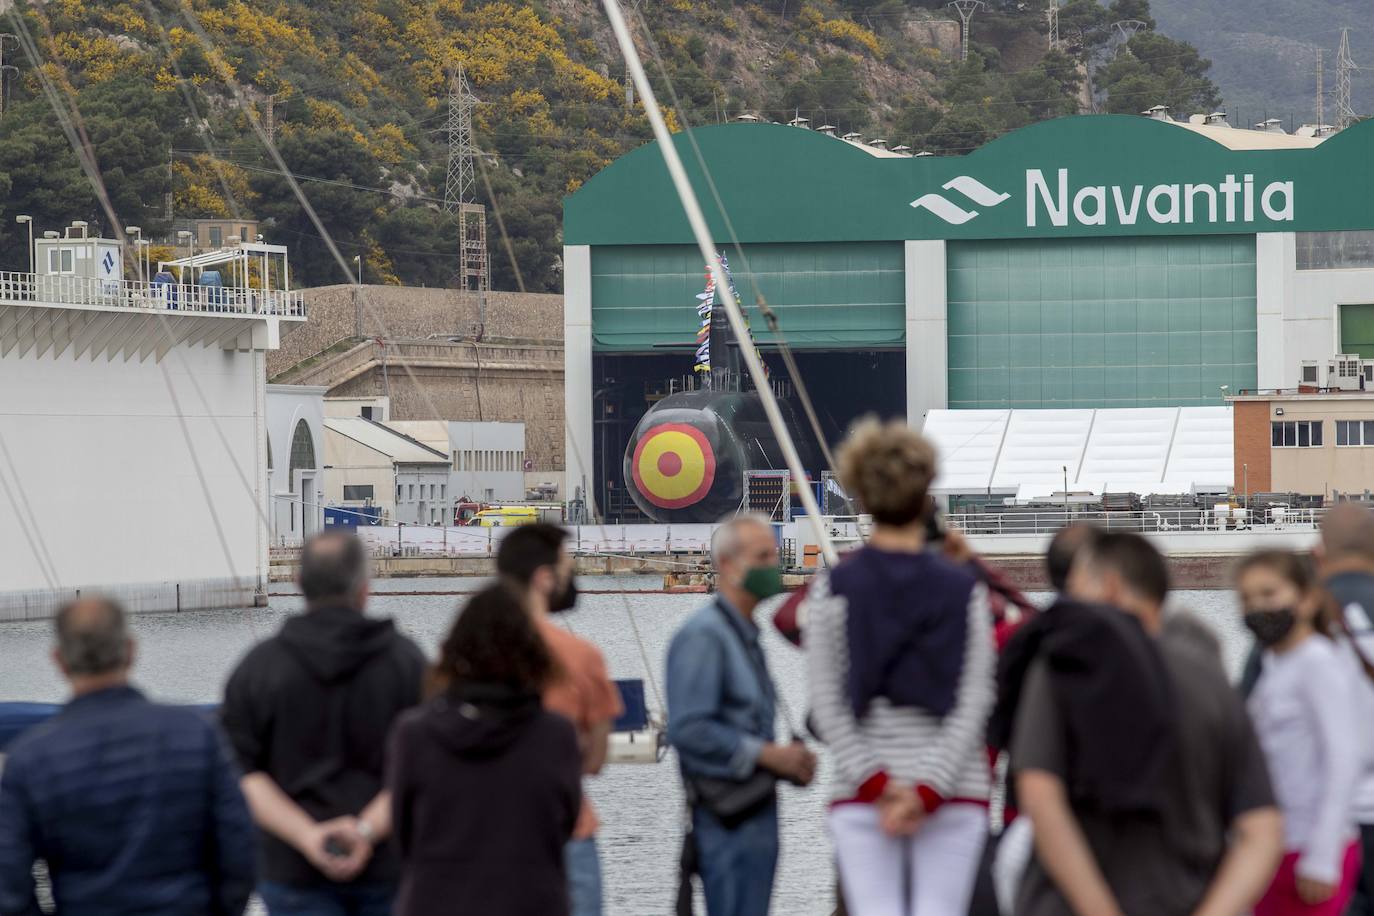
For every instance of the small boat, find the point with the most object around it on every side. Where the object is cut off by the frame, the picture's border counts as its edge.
(636, 737)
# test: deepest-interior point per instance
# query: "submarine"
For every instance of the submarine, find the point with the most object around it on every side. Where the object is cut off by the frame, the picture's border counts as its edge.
(688, 455)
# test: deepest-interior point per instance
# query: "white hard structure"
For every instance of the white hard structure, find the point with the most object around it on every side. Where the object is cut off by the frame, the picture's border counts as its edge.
(134, 458)
(1031, 453)
(295, 461)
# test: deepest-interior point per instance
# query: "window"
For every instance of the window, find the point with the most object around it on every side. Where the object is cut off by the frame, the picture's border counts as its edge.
(367, 413)
(410, 491)
(1355, 432)
(443, 491)
(302, 452)
(1296, 434)
(54, 261)
(357, 492)
(67, 264)
(398, 492)
(1333, 250)
(216, 237)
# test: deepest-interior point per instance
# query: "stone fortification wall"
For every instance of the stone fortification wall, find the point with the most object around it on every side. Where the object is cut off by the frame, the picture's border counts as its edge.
(515, 373)
(336, 313)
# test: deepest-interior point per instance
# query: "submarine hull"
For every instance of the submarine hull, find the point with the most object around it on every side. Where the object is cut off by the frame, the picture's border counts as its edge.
(688, 455)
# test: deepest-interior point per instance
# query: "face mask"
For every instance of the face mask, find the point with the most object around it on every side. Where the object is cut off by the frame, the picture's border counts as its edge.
(762, 581)
(565, 598)
(1270, 627)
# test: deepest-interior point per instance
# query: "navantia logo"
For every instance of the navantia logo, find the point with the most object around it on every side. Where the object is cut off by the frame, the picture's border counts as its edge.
(1058, 201)
(952, 213)
(1224, 201)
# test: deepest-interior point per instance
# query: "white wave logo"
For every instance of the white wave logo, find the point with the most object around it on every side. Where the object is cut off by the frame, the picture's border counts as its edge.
(969, 187)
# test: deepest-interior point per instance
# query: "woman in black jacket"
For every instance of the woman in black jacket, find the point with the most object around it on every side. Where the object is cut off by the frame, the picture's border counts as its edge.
(485, 784)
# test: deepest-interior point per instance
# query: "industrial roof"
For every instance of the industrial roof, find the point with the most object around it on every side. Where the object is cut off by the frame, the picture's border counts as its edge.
(1030, 452)
(430, 433)
(378, 437)
(1244, 139)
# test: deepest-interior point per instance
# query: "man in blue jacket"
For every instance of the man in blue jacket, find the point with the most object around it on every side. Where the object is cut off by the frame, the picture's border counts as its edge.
(134, 806)
(721, 707)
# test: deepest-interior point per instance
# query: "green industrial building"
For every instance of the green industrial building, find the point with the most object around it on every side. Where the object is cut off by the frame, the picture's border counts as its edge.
(1096, 261)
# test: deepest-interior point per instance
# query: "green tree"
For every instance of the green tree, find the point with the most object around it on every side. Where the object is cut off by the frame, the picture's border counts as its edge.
(345, 210)
(1154, 69)
(834, 90)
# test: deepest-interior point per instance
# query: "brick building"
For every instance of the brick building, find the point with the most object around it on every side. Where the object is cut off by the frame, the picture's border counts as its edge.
(1310, 441)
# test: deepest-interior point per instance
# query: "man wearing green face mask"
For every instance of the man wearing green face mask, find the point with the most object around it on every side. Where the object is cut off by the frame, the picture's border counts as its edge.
(721, 711)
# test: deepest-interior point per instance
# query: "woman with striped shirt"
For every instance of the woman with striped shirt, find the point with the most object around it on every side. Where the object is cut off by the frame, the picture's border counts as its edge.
(900, 655)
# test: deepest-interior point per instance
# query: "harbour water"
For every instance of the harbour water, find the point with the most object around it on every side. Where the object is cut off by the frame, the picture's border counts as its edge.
(186, 657)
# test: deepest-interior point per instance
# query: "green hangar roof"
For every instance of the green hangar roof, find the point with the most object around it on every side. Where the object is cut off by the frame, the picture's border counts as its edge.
(1085, 176)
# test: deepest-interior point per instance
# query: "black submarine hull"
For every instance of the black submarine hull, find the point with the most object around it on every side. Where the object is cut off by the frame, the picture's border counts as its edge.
(688, 455)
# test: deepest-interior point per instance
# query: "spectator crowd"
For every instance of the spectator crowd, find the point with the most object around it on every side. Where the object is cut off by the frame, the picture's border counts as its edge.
(984, 756)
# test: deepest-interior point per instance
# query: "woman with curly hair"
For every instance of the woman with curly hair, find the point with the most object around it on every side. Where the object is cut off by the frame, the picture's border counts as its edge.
(900, 653)
(485, 784)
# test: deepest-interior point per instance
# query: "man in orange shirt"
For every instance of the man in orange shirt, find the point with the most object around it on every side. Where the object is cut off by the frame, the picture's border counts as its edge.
(535, 558)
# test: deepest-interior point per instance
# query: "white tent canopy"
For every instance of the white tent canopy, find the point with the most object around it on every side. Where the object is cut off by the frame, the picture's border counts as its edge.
(1029, 453)
(242, 258)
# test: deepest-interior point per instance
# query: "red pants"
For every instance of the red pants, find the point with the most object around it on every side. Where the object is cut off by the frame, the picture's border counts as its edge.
(1282, 897)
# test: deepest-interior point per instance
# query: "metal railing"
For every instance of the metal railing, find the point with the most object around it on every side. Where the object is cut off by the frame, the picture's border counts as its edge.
(23, 288)
(1162, 520)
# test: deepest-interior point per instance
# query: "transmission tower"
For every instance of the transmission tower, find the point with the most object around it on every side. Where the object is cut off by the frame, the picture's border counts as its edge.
(1321, 91)
(460, 186)
(965, 9)
(5, 68)
(1345, 68)
(1125, 30)
(1053, 15)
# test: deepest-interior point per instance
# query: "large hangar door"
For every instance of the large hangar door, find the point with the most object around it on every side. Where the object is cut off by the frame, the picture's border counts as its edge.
(840, 306)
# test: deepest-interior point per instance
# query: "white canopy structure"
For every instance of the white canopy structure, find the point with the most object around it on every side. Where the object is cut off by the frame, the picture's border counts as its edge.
(242, 260)
(1029, 453)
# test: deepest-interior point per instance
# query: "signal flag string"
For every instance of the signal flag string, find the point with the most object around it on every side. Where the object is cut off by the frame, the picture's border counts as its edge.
(692, 207)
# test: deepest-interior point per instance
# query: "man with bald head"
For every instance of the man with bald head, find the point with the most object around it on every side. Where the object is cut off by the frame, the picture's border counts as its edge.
(1345, 559)
(134, 806)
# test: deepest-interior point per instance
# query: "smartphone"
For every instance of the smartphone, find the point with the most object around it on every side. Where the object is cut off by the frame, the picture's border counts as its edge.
(936, 524)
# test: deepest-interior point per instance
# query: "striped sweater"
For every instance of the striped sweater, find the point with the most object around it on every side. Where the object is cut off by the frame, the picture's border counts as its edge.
(943, 757)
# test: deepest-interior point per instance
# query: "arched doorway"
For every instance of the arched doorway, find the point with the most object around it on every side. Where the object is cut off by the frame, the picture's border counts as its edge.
(301, 478)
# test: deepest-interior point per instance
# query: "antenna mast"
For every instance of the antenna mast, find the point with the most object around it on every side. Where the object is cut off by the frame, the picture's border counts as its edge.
(460, 187)
(1053, 15)
(1345, 67)
(965, 9)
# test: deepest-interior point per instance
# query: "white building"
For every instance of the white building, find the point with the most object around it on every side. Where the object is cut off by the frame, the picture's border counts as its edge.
(295, 452)
(370, 464)
(378, 408)
(133, 446)
(487, 459)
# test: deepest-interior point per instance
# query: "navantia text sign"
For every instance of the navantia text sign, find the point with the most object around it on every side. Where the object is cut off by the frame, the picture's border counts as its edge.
(1058, 201)
(1081, 176)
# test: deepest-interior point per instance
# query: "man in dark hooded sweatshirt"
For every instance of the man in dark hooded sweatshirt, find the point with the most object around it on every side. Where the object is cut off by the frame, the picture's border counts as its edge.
(308, 711)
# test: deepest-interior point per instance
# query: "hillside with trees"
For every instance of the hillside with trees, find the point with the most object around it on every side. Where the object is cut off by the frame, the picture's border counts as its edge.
(166, 94)
(1265, 52)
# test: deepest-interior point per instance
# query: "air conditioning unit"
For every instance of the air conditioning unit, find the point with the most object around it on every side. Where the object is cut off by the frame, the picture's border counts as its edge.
(1344, 372)
(1310, 373)
(1367, 370)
